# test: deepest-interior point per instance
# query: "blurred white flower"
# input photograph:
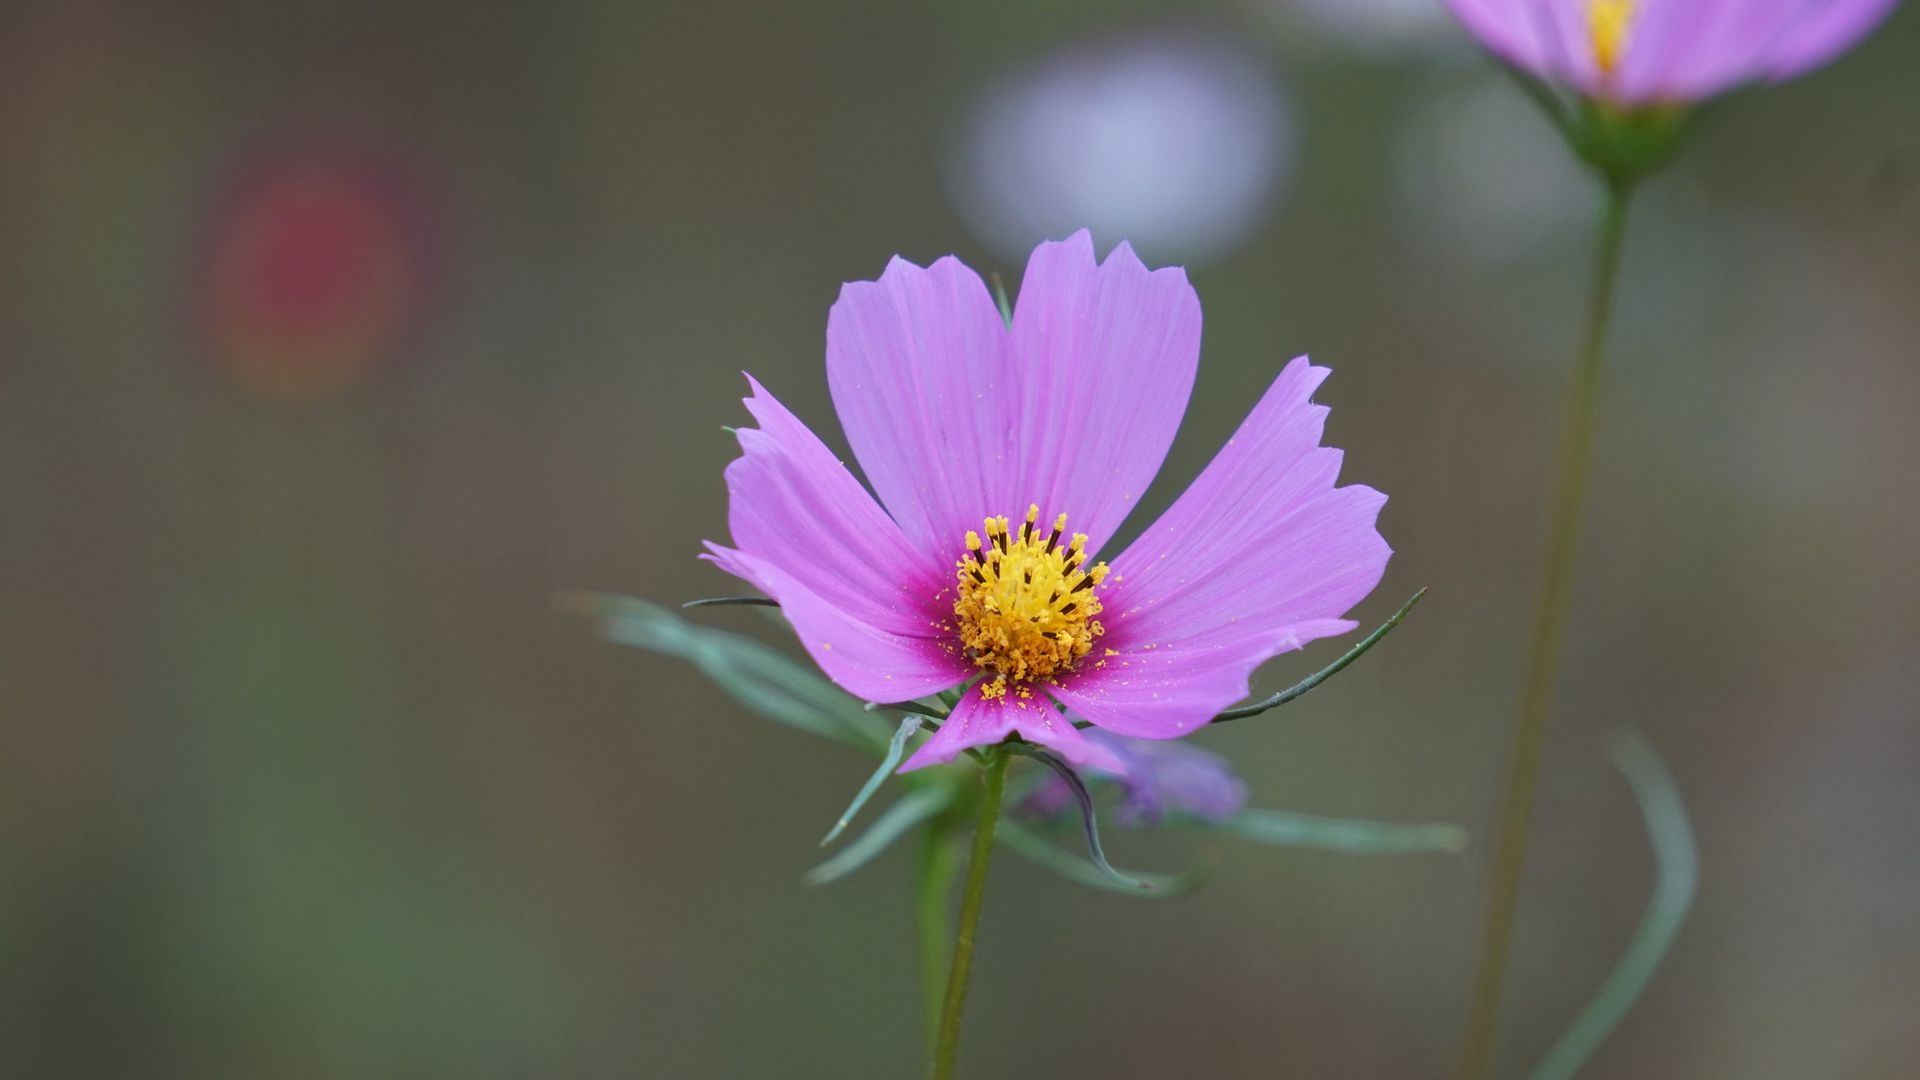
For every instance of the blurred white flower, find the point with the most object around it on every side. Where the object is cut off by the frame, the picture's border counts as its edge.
(1176, 142)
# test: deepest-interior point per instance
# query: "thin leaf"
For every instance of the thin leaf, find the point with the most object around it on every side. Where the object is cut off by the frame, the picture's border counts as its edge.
(896, 750)
(1000, 296)
(931, 715)
(1036, 849)
(1324, 673)
(912, 808)
(731, 601)
(1284, 829)
(1087, 817)
(1678, 871)
(755, 674)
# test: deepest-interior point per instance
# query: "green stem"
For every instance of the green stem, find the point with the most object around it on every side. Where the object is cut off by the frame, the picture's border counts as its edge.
(947, 1039)
(1571, 466)
(937, 868)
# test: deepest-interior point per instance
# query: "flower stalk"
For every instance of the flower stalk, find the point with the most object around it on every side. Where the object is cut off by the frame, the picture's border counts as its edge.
(1572, 464)
(934, 880)
(946, 1047)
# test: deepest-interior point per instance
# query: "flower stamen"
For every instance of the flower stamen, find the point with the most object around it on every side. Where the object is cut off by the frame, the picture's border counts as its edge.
(1026, 608)
(1607, 24)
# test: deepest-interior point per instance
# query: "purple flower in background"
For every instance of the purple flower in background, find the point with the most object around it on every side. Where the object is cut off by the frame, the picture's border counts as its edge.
(1667, 52)
(1006, 457)
(1160, 779)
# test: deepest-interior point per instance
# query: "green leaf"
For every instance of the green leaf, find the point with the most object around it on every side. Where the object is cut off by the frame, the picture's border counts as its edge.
(1284, 829)
(1000, 297)
(1074, 868)
(896, 750)
(1088, 820)
(1324, 673)
(1678, 871)
(732, 601)
(912, 808)
(756, 675)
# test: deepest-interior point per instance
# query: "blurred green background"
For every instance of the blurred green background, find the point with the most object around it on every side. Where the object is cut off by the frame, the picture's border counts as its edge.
(338, 338)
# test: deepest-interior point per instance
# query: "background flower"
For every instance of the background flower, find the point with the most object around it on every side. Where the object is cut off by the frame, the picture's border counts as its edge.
(1158, 779)
(1655, 52)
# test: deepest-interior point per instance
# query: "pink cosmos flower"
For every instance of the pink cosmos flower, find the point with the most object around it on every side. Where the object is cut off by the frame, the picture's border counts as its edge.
(1667, 52)
(1006, 458)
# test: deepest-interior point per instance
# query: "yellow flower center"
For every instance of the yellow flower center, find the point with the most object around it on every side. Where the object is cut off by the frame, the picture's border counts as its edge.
(1607, 24)
(1026, 603)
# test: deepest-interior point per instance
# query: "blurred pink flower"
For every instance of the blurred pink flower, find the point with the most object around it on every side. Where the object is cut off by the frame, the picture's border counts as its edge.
(318, 265)
(1667, 52)
(1162, 780)
(966, 428)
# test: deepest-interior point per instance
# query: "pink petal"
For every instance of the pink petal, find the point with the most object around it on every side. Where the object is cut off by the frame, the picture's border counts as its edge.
(1177, 685)
(1670, 49)
(1260, 556)
(1686, 52)
(865, 604)
(1567, 42)
(955, 421)
(1506, 29)
(872, 662)
(1105, 355)
(1545, 38)
(977, 721)
(920, 370)
(1823, 32)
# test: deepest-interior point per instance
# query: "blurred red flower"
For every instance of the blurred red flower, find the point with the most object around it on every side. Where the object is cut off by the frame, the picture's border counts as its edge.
(318, 268)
